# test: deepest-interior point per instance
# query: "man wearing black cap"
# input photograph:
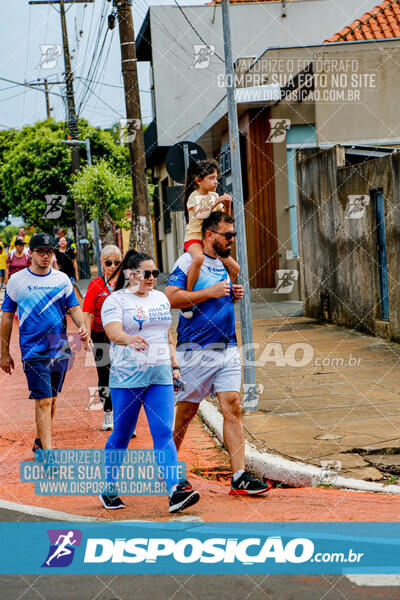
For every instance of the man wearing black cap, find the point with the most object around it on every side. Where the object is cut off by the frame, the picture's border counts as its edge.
(43, 296)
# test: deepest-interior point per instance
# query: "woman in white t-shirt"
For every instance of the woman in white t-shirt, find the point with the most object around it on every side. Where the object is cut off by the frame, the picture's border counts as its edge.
(137, 319)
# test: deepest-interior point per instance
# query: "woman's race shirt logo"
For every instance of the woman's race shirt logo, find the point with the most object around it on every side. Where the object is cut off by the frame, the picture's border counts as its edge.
(139, 316)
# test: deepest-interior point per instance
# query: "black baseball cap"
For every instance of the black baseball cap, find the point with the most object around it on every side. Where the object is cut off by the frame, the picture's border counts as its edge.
(19, 242)
(41, 240)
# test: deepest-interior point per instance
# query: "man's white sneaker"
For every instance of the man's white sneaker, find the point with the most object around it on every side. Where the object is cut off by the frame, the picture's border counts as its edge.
(108, 423)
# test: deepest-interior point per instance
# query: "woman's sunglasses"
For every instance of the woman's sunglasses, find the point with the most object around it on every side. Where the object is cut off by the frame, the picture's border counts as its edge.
(110, 263)
(146, 274)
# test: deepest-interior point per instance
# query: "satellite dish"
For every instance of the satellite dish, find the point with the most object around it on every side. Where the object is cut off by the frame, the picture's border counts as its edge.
(175, 159)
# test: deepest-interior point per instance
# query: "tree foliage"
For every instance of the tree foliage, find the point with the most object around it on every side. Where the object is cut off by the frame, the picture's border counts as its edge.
(34, 163)
(7, 232)
(100, 190)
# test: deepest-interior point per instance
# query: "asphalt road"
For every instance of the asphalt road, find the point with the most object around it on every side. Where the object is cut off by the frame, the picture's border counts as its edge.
(193, 587)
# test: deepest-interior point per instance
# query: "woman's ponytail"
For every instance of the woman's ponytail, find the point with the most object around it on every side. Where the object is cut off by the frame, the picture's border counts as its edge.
(132, 260)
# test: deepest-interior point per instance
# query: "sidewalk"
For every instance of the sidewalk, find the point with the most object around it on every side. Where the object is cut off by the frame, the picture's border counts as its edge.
(327, 394)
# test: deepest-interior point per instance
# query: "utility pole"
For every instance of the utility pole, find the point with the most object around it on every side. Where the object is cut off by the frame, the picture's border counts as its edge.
(249, 372)
(47, 93)
(80, 223)
(142, 230)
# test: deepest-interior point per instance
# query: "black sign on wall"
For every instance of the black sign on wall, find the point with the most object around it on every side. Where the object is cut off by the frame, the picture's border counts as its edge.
(175, 195)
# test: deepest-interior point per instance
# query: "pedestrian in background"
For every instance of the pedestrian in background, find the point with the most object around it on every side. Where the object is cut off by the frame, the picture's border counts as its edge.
(21, 234)
(66, 259)
(62, 233)
(17, 260)
(99, 289)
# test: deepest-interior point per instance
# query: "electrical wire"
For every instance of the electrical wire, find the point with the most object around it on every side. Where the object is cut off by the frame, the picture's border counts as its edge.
(195, 30)
(14, 96)
(95, 62)
(103, 72)
(113, 85)
(37, 89)
(94, 42)
(90, 85)
(88, 38)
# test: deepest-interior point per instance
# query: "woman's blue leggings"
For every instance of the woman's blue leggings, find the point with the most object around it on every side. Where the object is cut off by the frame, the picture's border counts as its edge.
(158, 402)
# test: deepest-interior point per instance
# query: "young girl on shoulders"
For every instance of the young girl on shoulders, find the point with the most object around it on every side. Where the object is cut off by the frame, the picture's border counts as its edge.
(200, 199)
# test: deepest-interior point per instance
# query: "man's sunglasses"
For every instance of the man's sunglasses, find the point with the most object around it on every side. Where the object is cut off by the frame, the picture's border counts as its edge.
(229, 235)
(43, 251)
(146, 274)
(110, 263)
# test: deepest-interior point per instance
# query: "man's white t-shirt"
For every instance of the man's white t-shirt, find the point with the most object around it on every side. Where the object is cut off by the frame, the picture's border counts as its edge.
(150, 318)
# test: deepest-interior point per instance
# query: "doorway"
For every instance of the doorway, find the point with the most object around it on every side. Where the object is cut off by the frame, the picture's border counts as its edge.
(381, 251)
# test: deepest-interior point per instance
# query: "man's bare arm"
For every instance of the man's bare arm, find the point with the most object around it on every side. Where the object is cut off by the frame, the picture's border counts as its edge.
(180, 298)
(79, 320)
(7, 363)
(77, 316)
(89, 317)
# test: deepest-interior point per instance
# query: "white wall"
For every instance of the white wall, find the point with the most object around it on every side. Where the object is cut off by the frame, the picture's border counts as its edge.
(185, 95)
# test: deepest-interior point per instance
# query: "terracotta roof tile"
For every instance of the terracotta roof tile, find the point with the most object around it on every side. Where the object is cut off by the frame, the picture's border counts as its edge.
(382, 22)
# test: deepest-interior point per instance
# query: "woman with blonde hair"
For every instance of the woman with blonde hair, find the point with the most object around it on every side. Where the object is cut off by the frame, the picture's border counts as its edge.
(99, 289)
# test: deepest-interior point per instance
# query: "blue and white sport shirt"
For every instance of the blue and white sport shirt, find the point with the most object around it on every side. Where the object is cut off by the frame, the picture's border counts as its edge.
(42, 302)
(213, 321)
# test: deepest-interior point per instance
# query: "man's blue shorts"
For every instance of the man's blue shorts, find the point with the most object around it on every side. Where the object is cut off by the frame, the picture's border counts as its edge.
(45, 376)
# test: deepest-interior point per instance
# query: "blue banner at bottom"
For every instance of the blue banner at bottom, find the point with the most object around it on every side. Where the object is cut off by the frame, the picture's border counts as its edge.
(191, 547)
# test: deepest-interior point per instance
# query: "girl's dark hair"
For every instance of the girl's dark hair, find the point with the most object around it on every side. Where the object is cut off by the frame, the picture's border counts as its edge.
(199, 168)
(132, 260)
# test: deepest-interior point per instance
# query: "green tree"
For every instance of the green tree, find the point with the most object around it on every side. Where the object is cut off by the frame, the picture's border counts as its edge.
(7, 232)
(34, 163)
(104, 194)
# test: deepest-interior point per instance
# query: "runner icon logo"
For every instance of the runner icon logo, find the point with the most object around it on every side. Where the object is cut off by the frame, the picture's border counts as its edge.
(62, 547)
(202, 56)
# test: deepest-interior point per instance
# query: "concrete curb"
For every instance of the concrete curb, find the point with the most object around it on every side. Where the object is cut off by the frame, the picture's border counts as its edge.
(46, 513)
(289, 472)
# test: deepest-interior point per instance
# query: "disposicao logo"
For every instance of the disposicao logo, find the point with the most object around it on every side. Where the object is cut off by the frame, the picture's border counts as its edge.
(62, 547)
(191, 550)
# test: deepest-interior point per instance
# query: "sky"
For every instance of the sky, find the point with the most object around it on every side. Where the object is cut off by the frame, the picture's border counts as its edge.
(24, 28)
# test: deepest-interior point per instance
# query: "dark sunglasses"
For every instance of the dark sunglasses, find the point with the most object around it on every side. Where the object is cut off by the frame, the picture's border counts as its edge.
(110, 263)
(43, 251)
(229, 235)
(146, 274)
